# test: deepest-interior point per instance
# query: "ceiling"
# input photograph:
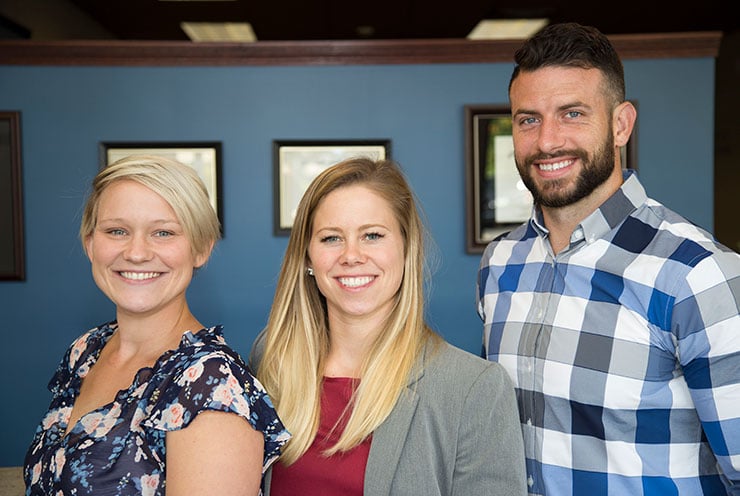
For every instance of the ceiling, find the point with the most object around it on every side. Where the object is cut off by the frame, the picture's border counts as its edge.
(393, 19)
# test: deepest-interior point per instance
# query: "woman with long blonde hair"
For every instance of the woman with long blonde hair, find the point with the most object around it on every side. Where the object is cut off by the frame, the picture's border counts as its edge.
(376, 401)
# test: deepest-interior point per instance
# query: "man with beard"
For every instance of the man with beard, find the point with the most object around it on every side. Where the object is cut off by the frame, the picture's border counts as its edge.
(616, 318)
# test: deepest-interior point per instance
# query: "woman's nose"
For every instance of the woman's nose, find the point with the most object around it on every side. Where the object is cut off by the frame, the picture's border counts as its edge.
(138, 249)
(352, 253)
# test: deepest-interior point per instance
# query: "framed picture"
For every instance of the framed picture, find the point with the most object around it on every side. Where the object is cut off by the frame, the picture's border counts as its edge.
(204, 157)
(496, 197)
(12, 264)
(296, 163)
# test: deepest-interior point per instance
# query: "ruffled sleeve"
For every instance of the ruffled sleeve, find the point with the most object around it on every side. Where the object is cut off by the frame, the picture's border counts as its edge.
(212, 377)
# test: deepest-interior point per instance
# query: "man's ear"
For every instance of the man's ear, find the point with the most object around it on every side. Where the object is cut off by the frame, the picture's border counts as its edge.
(623, 122)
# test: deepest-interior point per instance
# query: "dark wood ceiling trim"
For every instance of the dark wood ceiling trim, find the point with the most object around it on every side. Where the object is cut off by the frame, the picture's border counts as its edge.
(283, 53)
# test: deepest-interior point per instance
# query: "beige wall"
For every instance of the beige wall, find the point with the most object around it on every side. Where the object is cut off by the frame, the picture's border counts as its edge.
(11, 481)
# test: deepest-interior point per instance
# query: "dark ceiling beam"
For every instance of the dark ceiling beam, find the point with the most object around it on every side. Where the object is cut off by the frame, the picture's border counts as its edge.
(436, 51)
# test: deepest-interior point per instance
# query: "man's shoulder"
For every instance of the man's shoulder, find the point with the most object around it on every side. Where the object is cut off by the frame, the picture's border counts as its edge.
(672, 231)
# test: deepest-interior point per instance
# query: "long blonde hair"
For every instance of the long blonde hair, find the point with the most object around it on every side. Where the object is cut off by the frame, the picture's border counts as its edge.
(296, 339)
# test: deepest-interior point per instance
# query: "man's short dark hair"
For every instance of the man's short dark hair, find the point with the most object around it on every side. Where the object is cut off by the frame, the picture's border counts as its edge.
(572, 45)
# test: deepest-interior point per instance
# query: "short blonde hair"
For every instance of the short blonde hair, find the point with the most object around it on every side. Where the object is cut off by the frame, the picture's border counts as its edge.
(178, 184)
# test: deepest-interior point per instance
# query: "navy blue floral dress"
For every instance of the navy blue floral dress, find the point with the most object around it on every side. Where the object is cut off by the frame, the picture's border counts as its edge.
(119, 449)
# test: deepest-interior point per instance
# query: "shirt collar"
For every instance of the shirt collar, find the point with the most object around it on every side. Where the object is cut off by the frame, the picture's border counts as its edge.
(630, 195)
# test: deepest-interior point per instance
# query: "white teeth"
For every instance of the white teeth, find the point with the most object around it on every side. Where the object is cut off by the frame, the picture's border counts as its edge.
(140, 276)
(354, 282)
(555, 166)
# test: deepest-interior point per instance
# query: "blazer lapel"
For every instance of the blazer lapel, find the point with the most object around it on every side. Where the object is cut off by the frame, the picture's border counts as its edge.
(390, 438)
(387, 444)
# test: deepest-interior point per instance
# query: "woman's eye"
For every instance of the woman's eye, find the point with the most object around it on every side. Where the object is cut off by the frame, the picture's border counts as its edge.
(163, 234)
(373, 236)
(330, 239)
(116, 232)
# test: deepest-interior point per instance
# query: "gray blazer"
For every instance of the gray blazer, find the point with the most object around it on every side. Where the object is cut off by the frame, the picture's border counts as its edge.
(455, 432)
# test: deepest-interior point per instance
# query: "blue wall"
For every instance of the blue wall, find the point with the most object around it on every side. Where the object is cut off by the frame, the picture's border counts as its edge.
(67, 111)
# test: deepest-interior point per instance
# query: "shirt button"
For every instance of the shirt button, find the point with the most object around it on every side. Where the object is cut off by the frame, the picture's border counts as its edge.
(530, 481)
(529, 422)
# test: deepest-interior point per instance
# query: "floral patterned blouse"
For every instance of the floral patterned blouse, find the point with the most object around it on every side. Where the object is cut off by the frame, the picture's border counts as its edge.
(119, 449)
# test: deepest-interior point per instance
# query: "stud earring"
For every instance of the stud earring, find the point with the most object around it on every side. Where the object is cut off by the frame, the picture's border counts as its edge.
(309, 271)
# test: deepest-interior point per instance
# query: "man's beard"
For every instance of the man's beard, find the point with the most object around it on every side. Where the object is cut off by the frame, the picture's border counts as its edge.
(556, 193)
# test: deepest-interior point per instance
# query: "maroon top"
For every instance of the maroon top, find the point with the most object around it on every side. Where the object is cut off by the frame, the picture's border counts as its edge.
(342, 474)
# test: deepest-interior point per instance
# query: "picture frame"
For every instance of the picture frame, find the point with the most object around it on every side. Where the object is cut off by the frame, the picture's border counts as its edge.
(496, 198)
(297, 162)
(203, 156)
(12, 244)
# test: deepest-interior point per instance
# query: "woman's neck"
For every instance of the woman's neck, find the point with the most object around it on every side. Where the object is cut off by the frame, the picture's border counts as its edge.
(152, 335)
(349, 345)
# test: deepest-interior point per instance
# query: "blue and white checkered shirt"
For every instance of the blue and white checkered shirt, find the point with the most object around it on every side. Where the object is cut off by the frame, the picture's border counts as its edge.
(624, 349)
